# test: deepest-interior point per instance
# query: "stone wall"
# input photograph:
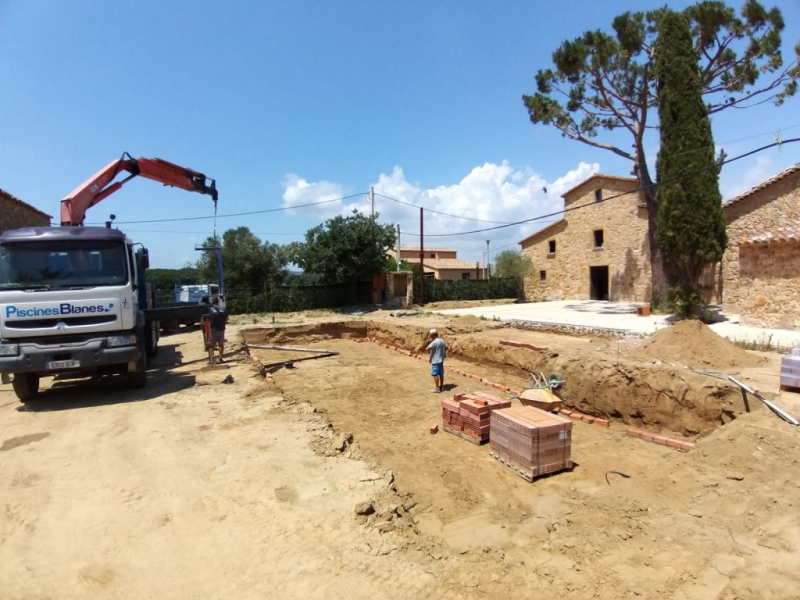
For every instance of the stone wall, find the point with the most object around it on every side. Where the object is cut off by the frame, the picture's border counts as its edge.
(15, 214)
(765, 210)
(625, 250)
(399, 288)
(769, 285)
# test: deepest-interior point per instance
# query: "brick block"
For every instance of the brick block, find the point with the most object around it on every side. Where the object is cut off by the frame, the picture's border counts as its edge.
(434, 428)
(602, 423)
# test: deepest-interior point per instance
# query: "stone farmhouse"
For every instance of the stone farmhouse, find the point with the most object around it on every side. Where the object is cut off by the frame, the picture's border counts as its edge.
(14, 213)
(761, 265)
(441, 263)
(599, 252)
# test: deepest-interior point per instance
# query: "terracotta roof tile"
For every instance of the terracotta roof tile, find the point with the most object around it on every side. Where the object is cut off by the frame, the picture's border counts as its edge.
(786, 233)
(446, 263)
(25, 204)
(426, 249)
(764, 184)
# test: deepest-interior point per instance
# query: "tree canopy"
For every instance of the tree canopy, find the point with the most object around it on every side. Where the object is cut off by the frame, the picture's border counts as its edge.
(248, 263)
(604, 82)
(344, 249)
(690, 224)
(510, 263)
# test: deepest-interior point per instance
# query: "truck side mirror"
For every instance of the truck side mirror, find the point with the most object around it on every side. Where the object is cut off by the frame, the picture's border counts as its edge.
(144, 258)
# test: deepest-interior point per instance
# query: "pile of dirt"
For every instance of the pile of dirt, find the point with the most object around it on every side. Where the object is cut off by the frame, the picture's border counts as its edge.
(694, 344)
(466, 324)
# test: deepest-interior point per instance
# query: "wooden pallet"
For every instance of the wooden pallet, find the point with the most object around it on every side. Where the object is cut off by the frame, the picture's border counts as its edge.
(464, 436)
(515, 469)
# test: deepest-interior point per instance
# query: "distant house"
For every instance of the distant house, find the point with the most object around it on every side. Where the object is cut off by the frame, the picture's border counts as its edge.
(14, 213)
(598, 252)
(440, 263)
(761, 265)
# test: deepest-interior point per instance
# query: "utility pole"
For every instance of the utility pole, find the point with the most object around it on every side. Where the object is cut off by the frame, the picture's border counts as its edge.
(487, 258)
(398, 247)
(421, 261)
(372, 200)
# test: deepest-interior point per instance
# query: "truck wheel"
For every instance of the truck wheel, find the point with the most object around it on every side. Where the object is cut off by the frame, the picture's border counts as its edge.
(26, 386)
(152, 339)
(137, 378)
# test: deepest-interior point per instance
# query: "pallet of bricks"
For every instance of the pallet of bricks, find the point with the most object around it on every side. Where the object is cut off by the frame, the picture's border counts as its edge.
(469, 415)
(531, 442)
(790, 370)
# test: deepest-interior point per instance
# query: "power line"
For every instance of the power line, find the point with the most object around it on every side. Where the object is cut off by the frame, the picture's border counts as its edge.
(438, 212)
(242, 214)
(714, 165)
(714, 145)
(174, 231)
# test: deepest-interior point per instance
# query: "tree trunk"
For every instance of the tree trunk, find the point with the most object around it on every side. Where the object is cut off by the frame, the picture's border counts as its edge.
(658, 276)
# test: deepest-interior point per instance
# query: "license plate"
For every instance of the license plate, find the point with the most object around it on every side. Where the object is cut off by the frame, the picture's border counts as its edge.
(63, 364)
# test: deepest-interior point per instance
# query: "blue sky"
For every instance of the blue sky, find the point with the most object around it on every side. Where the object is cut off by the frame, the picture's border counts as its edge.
(285, 103)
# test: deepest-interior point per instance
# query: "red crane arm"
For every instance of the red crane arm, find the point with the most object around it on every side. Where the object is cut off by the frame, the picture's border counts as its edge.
(102, 184)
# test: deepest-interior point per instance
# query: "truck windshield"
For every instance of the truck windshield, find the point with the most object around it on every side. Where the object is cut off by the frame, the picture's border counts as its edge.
(87, 263)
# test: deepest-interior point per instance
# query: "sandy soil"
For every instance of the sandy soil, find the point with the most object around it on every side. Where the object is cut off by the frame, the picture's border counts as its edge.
(198, 489)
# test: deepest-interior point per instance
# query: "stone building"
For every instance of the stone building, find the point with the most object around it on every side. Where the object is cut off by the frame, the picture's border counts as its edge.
(761, 265)
(599, 252)
(14, 213)
(441, 263)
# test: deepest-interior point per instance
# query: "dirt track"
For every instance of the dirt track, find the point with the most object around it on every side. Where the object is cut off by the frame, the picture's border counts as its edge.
(197, 489)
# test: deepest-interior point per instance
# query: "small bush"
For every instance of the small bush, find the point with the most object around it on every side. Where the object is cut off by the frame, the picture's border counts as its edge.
(685, 301)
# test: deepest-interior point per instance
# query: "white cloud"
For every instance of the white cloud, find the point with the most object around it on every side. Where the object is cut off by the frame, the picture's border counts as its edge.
(733, 182)
(489, 192)
(298, 191)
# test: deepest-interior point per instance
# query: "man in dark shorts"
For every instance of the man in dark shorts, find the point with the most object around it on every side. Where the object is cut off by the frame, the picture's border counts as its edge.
(218, 319)
(438, 350)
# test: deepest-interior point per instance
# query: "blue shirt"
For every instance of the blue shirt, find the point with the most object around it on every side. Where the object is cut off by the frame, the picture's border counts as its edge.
(438, 351)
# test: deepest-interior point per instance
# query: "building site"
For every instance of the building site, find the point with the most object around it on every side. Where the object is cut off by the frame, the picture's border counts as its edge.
(384, 338)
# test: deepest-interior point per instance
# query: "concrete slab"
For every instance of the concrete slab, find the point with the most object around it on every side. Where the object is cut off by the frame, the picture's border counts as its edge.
(619, 316)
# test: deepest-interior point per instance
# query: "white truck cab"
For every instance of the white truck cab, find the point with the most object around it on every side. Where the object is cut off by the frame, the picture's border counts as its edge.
(71, 301)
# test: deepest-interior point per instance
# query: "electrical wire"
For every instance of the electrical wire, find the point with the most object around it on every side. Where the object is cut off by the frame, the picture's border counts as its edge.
(241, 214)
(438, 212)
(174, 231)
(714, 165)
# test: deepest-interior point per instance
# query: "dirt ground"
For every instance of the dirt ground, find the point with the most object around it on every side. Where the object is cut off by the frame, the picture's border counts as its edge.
(325, 481)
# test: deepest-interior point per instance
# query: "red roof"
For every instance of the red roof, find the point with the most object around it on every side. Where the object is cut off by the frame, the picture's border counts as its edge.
(25, 204)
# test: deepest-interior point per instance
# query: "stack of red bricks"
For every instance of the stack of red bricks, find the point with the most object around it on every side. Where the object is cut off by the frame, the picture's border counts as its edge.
(469, 415)
(530, 441)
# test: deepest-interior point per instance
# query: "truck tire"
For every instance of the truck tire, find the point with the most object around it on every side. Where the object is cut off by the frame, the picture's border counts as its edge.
(152, 339)
(26, 386)
(137, 378)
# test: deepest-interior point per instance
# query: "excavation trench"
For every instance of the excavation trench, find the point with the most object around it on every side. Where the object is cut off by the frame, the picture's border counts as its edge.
(657, 397)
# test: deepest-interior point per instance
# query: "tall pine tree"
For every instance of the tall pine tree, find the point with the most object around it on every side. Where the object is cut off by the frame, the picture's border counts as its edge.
(690, 225)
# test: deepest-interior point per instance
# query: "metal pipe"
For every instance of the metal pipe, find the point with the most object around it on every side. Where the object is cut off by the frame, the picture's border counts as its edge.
(778, 411)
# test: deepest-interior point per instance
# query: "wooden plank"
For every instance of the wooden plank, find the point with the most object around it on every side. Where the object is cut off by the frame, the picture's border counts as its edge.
(291, 349)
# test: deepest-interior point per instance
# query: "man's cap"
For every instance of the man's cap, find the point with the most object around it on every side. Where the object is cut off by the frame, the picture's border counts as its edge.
(432, 331)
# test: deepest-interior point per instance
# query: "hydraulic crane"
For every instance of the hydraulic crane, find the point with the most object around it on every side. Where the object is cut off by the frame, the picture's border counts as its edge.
(102, 184)
(74, 300)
